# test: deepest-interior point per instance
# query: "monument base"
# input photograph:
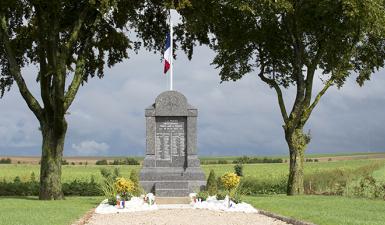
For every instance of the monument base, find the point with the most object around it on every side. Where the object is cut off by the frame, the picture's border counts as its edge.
(172, 182)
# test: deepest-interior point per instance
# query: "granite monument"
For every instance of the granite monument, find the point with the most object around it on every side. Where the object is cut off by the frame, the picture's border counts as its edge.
(171, 167)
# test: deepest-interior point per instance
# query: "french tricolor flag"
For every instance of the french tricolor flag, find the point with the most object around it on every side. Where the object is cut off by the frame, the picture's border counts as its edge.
(167, 54)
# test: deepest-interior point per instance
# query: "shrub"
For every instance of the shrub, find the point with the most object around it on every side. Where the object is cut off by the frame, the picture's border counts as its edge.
(202, 195)
(222, 161)
(238, 169)
(31, 187)
(368, 187)
(221, 195)
(220, 184)
(248, 160)
(64, 162)
(126, 161)
(230, 181)
(134, 177)
(254, 186)
(337, 181)
(81, 188)
(211, 186)
(101, 162)
(236, 198)
(5, 161)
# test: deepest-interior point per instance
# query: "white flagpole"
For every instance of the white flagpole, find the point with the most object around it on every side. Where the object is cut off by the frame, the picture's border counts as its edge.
(172, 54)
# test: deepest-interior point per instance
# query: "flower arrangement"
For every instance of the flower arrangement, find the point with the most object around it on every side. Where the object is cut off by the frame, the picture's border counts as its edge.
(124, 188)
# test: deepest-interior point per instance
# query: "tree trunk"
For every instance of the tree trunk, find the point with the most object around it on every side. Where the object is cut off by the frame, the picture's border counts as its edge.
(50, 168)
(297, 142)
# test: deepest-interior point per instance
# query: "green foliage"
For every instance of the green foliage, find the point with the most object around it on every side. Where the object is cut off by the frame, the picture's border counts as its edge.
(126, 161)
(255, 186)
(250, 160)
(101, 162)
(285, 42)
(238, 169)
(108, 186)
(211, 185)
(5, 161)
(221, 195)
(337, 181)
(82, 188)
(208, 162)
(368, 187)
(134, 177)
(236, 197)
(30, 187)
(203, 195)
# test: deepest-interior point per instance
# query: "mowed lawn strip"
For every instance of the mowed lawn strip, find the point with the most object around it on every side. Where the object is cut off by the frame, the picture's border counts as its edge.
(323, 210)
(31, 211)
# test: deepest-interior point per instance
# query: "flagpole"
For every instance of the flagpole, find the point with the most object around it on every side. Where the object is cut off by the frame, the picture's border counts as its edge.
(172, 54)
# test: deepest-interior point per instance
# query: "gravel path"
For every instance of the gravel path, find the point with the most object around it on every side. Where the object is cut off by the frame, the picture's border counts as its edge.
(182, 217)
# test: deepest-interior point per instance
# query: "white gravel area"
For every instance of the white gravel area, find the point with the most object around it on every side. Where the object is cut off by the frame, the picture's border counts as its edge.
(182, 217)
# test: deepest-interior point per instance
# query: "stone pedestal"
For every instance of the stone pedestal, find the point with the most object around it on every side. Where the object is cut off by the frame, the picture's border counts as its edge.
(171, 167)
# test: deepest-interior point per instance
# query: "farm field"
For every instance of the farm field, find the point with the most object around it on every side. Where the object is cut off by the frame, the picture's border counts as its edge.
(323, 210)
(263, 171)
(92, 159)
(31, 211)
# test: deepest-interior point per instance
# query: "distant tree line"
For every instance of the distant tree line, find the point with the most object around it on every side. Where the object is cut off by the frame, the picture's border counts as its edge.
(126, 161)
(5, 161)
(249, 160)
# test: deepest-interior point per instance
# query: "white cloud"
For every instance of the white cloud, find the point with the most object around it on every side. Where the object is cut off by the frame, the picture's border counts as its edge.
(91, 148)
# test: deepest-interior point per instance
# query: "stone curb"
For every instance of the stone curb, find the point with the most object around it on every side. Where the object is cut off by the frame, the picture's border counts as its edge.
(284, 218)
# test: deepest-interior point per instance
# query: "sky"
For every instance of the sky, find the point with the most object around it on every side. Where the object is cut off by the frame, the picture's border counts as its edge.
(234, 118)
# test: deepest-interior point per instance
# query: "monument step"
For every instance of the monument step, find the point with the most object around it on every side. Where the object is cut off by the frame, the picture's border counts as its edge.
(172, 200)
(171, 185)
(172, 192)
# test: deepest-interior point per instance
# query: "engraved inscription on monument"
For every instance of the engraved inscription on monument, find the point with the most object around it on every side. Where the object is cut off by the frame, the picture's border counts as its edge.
(170, 137)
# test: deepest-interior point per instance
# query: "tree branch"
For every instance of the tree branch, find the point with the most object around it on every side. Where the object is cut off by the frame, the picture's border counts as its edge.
(309, 110)
(274, 84)
(75, 84)
(74, 33)
(32, 103)
(310, 75)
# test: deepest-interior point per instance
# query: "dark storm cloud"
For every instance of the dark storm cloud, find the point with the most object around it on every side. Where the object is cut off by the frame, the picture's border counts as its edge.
(235, 118)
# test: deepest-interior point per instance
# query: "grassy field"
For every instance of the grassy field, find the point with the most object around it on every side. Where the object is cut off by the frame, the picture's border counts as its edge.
(264, 171)
(92, 159)
(324, 210)
(30, 211)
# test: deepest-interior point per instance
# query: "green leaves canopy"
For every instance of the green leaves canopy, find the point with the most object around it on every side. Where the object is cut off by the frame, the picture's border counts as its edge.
(49, 33)
(289, 38)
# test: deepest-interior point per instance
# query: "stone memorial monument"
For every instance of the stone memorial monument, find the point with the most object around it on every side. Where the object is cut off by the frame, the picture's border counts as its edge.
(171, 167)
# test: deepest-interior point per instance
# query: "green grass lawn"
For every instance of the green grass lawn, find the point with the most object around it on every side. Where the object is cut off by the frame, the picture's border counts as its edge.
(263, 171)
(31, 211)
(323, 210)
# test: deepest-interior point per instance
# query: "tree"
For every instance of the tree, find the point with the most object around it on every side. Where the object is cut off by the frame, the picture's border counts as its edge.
(286, 42)
(211, 186)
(68, 39)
